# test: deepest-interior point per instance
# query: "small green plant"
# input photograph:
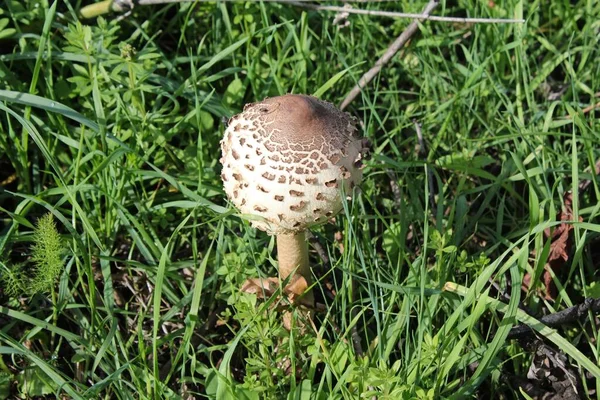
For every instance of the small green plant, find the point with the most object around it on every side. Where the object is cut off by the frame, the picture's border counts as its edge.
(12, 280)
(46, 256)
(47, 263)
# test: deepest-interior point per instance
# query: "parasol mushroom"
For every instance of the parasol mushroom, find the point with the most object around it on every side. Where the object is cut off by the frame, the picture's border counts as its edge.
(288, 161)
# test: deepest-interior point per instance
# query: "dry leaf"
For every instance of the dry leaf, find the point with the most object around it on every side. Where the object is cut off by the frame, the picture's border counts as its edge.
(550, 369)
(294, 291)
(263, 288)
(296, 287)
(559, 248)
(560, 245)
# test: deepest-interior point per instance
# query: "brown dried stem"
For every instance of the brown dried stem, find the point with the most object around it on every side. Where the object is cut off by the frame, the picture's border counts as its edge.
(396, 14)
(387, 56)
(560, 318)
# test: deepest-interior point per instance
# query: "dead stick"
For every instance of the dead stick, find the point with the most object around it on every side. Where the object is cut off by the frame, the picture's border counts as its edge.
(387, 56)
(567, 315)
(393, 14)
(587, 109)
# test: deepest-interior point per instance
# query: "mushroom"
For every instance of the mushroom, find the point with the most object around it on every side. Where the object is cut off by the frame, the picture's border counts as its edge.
(287, 161)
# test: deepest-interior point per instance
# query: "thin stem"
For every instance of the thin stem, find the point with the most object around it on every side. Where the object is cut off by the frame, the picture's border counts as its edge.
(292, 254)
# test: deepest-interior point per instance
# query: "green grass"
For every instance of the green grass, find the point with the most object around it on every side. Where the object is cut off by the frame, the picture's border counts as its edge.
(113, 129)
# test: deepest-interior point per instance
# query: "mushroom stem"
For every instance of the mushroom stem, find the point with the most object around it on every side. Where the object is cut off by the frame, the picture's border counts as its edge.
(292, 254)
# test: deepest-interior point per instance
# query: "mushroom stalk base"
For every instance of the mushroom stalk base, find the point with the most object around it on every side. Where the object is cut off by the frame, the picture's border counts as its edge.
(292, 254)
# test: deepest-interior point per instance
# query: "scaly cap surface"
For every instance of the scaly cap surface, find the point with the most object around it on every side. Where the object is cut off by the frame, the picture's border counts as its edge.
(288, 159)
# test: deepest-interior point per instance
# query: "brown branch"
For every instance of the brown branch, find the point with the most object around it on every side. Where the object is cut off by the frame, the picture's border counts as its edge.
(557, 319)
(387, 56)
(587, 109)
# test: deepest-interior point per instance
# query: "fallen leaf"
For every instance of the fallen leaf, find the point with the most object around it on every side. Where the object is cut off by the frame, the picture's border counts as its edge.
(296, 287)
(550, 369)
(560, 244)
(262, 288)
(294, 291)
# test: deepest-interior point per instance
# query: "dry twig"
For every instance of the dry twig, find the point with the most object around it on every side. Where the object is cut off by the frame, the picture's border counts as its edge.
(390, 52)
(560, 318)
(395, 14)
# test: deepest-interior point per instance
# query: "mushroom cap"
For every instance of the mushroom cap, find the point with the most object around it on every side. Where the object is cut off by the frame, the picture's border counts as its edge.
(289, 160)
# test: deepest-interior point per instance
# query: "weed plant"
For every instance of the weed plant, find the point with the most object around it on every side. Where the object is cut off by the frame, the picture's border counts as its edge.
(46, 263)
